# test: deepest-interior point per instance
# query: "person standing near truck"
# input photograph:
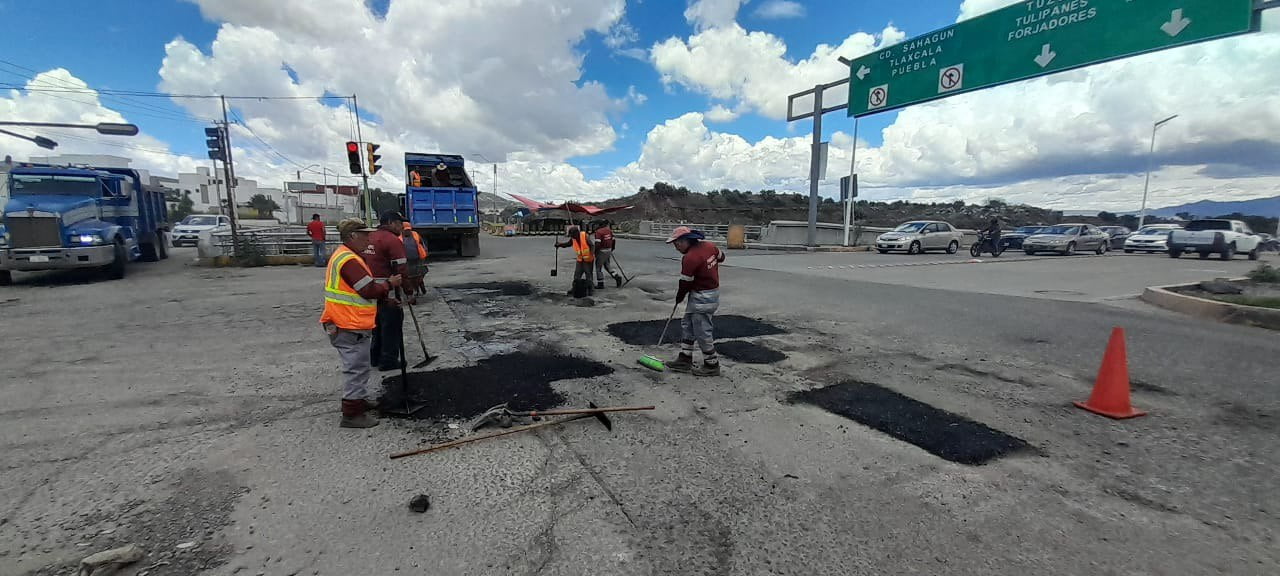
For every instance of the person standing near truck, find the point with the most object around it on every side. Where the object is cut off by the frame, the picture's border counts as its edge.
(415, 252)
(605, 243)
(700, 281)
(350, 312)
(315, 229)
(385, 256)
(583, 254)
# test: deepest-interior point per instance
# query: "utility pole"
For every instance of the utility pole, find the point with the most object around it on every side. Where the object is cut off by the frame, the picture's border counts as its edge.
(230, 171)
(368, 197)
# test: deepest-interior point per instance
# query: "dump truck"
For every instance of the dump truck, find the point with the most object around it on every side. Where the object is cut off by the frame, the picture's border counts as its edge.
(60, 217)
(441, 203)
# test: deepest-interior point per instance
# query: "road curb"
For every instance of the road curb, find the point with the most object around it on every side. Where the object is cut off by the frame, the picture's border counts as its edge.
(1165, 297)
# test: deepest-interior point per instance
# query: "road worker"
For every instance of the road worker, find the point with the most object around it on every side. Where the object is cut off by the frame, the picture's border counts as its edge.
(605, 243)
(350, 309)
(385, 256)
(584, 257)
(700, 282)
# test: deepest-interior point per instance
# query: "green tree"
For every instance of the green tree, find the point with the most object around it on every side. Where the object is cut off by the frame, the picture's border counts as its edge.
(263, 205)
(384, 201)
(1107, 217)
(185, 208)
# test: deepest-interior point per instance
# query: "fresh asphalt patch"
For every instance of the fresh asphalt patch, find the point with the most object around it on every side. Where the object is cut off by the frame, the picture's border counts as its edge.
(646, 332)
(501, 288)
(522, 380)
(941, 433)
(749, 352)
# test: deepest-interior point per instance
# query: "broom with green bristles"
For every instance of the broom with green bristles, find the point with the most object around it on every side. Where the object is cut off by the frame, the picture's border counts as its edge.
(652, 362)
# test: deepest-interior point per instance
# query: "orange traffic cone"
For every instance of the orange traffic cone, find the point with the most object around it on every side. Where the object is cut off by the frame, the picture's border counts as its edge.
(1110, 396)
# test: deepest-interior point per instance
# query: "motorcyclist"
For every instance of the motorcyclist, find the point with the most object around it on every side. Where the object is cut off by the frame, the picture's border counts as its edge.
(992, 234)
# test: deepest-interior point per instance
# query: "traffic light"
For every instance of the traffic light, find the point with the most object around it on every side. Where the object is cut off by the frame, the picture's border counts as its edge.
(216, 140)
(372, 158)
(353, 157)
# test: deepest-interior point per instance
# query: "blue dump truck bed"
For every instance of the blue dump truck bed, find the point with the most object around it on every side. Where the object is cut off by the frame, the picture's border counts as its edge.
(441, 202)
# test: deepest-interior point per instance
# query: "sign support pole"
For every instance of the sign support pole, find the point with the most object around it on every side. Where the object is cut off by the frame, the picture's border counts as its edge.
(814, 163)
(853, 183)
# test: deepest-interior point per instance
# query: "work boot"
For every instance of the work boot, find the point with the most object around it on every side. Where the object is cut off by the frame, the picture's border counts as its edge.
(355, 415)
(618, 280)
(363, 420)
(682, 363)
(707, 369)
(600, 285)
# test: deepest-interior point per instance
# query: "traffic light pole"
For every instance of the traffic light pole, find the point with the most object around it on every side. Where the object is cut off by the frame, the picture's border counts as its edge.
(368, 198)
(230, 171)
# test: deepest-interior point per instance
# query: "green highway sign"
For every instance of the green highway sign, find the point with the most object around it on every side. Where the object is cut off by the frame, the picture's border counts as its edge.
(1033, 38)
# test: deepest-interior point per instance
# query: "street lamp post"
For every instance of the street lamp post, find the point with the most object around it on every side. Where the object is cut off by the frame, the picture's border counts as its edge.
(494, 191)
(106, 128)
(1142, 218)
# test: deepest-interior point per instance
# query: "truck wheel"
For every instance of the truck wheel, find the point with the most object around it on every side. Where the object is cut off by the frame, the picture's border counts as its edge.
(1203, 255)
(1175, 251)
(149, 253)
(1253, 254)
(469, 246)
(1229, 252)
(116, 269)
(6, 278)
(162, 245)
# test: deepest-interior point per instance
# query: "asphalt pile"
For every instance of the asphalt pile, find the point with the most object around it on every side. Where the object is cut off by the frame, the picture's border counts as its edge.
(749, 352)
(646, 332)
(521, 379)
(941, 433)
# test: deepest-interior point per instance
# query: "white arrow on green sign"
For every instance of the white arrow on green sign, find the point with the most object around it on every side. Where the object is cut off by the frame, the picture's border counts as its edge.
(1033, 38)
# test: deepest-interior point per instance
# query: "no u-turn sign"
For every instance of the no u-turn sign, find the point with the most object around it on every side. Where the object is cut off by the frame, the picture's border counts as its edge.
(878, 96)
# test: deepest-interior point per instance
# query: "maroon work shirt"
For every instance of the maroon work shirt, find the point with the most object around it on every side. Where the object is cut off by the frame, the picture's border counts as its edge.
(385, 254)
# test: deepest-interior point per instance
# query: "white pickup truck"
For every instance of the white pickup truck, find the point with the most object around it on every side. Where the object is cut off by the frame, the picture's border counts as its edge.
(1226, 238)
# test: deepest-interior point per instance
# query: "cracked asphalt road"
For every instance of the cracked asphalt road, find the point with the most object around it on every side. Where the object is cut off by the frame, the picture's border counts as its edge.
(197, 405)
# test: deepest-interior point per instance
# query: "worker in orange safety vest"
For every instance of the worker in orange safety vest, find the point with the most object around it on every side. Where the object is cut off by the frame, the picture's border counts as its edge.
(584, 253)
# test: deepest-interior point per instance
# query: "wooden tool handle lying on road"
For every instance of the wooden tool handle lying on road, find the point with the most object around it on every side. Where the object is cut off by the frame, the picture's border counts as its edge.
(537, 413)
(487, 436)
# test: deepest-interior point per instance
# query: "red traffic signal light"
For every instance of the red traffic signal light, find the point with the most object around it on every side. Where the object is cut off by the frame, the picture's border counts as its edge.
(353, 158)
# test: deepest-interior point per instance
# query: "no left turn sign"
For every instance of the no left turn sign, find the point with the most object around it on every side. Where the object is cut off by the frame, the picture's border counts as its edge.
(951, 78)
(877, 97)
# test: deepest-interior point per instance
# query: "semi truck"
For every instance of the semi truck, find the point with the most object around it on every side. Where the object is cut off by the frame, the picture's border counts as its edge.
(440, 201)
(60, 217)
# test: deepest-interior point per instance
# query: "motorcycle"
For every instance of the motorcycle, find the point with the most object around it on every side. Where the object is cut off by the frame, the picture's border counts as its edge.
(984, 244)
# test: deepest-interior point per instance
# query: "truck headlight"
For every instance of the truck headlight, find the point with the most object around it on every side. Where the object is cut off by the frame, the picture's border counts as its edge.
(86, 239)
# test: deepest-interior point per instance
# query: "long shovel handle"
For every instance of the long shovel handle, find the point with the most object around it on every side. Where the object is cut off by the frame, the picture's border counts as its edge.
(565, 411)
(668, 324)
(488, 436)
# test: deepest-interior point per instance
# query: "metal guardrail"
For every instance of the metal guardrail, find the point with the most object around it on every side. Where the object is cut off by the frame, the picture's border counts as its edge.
(279, 241)
(716, 231)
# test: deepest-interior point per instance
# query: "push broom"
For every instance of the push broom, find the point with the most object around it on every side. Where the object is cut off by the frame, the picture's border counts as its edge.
(652, 362)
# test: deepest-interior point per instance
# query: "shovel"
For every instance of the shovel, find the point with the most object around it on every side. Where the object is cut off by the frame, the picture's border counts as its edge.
(653, 362)
(426, 357)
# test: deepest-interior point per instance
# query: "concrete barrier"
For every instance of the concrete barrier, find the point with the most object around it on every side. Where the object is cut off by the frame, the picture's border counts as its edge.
(1218, 311)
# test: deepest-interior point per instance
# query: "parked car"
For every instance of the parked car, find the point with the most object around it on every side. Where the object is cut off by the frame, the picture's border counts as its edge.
(1226, 238)
(1118, 235)
(188, 230)
(1067, 239)
(1269, 243)
(1013, 240)
(1152, 238)
(921, 236)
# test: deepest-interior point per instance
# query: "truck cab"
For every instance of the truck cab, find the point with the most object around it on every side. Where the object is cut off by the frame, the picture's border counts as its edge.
(70, 217)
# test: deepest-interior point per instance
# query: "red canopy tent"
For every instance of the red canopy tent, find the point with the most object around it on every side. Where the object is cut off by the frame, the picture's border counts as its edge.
(573, 207)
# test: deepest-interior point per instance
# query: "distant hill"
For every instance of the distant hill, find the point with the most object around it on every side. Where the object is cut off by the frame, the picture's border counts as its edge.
(1268, 207)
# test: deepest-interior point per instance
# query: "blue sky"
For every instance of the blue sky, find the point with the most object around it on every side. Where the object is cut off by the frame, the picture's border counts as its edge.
(503, 82)
(125, 47)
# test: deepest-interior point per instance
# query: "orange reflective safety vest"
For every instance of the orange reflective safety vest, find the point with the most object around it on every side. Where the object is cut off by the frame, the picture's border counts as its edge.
(343, 306)
(582, 248)
(415, 179)
(422, 248)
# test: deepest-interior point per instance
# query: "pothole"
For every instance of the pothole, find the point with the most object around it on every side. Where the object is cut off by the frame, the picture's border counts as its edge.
(646, 332)
(948, 436)
(749, 352)
(501, 288)
(521, 379)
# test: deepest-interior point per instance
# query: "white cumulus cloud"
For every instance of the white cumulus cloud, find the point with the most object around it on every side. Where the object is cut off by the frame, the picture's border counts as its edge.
(779, 9)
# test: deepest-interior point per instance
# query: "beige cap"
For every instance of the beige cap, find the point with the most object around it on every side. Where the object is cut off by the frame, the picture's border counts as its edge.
(352, 225)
